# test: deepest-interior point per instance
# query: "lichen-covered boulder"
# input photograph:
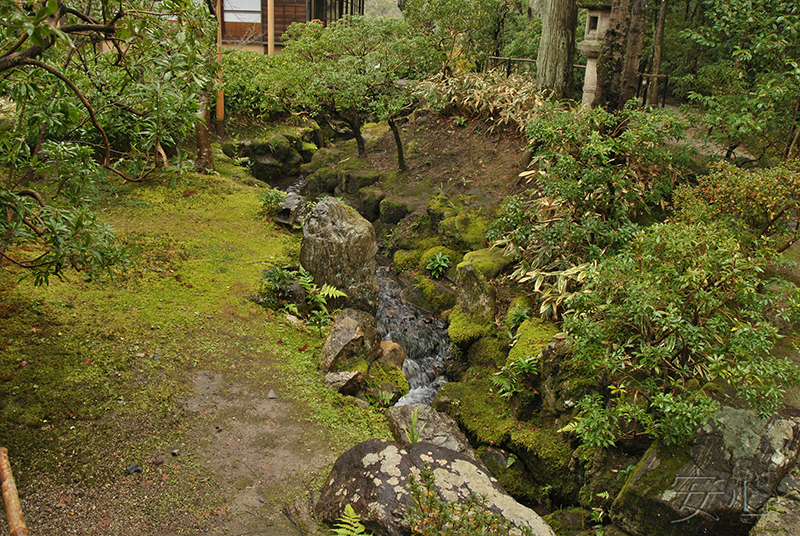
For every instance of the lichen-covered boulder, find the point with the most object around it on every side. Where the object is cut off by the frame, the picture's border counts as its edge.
(780, 516)
(432, 426)
(373, 477)
(339, 248)
(353, 337)
(715, 486)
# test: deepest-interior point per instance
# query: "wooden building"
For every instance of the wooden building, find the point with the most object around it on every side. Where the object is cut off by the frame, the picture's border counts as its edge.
(245, 23)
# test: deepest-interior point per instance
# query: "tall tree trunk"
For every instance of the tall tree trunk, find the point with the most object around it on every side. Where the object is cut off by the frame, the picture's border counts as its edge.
(557, 46)
(633, 52)
(205, 157)
(609, 64)
(658, 46)
(401, 160)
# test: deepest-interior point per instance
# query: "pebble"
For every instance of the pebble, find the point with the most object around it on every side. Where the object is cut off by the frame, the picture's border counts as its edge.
(175, 452)
(272, 394)
(133, 468)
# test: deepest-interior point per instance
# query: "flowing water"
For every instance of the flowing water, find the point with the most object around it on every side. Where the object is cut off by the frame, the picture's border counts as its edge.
(421, 334)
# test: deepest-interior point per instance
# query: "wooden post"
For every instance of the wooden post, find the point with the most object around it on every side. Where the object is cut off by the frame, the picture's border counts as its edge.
(220, 94)
(270, 27)
(16, 523)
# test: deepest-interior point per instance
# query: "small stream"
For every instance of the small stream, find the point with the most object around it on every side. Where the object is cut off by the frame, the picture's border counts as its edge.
(421, 334)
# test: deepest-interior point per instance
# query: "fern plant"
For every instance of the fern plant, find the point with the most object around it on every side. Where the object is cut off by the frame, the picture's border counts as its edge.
(349, 524)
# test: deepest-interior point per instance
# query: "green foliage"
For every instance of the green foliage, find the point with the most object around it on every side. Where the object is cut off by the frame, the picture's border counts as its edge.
(271, 201)
(598, 175)
(757, 203)
(68, 98)
(747, 85)
(684, 306)
(414, 433)
(438, 264)
(464, 33)
(256, 85)
(516, 316)
(349, 69)
(431, 515)
(349, 524)
(279, 290)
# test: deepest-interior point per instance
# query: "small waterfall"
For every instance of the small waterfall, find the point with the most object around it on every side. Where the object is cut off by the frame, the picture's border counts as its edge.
(422, 336)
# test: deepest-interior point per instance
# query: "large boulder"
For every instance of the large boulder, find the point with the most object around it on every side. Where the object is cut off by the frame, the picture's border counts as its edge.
(431, 425)
(373, 477)
(354, 336)
(717, 485)
(339, 248)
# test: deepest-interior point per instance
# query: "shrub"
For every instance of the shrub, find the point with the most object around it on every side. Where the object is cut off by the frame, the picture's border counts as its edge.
(599, 176)
(682, 307)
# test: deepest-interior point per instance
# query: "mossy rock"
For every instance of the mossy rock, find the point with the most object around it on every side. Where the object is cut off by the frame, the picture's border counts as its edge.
(638, 504)
(563, 382)
(436, 296)
(415, 231)
(475, 405)
(512, 474)
(406, 260)
(464, 330)
(392, 212)
(487, 352)
(380, 374)
(307, 151)
(352, 180)
(569, 521)
(323, 181)
(453, 255)
(533, 336)
(465, 230)
(278, 145)
(440, 207)
(488, 261)
(369, 201)
(548, 456)
(229, 149)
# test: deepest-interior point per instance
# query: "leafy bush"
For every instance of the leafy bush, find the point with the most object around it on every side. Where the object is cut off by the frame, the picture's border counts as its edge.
(758, 203)
(257, 85)
(598, 176)
(681, 313)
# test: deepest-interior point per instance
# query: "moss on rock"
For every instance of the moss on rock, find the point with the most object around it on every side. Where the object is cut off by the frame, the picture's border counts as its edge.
(487, 352)
(454, 257)
(488, 261)
(467, 229)
(533, 336)
(406, 260)
(464, 329)
(380, 374)
(437, 297)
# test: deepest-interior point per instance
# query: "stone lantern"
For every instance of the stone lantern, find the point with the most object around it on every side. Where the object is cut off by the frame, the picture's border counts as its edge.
(597, 22)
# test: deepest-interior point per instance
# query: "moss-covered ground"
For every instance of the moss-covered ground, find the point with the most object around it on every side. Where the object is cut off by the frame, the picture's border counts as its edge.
(96, 376)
